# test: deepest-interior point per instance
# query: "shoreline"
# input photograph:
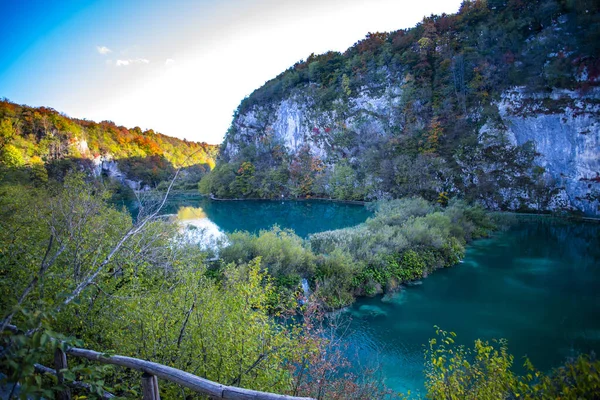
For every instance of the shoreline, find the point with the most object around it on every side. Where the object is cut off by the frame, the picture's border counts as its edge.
(551, 215)
(192, 193)
(361, 202)
(357, 202)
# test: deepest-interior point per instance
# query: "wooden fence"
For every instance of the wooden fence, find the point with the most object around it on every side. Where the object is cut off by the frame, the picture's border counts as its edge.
(151, 372)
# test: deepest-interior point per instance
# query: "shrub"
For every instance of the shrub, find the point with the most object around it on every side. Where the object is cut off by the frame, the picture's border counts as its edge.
(405, 240)
(282, 252)
(334, 278)
(485, 372)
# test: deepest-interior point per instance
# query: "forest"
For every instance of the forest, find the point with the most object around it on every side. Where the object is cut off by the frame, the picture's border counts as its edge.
(76, 271)
(39, 142)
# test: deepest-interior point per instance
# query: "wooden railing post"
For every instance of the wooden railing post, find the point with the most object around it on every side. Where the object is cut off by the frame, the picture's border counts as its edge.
(150, 387)
(60, 363)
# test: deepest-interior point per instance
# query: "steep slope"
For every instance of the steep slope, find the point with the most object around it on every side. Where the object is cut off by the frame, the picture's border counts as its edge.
(43, 139)
(497, 104)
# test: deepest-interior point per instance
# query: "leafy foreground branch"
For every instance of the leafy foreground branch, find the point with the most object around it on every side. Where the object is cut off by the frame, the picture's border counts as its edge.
(485, 372)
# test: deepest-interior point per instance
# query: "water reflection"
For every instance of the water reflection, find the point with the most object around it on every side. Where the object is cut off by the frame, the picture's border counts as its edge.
(190, 213)
(198, 228)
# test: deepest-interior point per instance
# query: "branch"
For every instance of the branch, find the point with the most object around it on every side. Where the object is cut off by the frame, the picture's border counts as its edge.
(75, 384)
(133, 231)
(187, 317)
(261, 357)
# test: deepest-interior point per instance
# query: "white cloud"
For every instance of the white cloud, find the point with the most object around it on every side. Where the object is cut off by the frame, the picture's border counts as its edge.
(169, 61)
(103, 50)
(124, 63)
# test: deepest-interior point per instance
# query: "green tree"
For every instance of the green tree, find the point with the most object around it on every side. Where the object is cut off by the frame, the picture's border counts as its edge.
(11, 156)
(244, 183)
(7, 132)
(345, 184)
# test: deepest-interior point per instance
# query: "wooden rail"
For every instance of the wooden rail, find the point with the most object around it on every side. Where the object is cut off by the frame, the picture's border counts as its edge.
(151, 371)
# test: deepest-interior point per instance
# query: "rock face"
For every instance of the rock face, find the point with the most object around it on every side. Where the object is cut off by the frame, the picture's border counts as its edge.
(460, 106)
(563, 125)
(295, 122)
(565, 128)
(109, 167)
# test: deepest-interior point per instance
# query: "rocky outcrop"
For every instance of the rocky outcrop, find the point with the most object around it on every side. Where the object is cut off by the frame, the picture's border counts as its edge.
(296, 122)
(564, 127)
(105, 165)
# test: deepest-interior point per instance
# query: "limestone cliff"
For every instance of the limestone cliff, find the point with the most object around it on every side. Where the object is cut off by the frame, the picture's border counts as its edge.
(564, 127)
(497, 104)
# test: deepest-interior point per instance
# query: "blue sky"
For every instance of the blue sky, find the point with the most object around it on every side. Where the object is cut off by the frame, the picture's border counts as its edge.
(180, 67)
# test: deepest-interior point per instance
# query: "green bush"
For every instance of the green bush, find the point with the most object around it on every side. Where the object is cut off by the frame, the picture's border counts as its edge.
(405, 239)
(334, 277)
(485, 373)
(282, 252)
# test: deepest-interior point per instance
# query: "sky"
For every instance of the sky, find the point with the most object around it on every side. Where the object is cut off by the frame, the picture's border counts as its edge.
(180, 67)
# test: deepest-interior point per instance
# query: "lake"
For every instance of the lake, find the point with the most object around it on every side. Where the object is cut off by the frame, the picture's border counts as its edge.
(303, 216)
(536, 284)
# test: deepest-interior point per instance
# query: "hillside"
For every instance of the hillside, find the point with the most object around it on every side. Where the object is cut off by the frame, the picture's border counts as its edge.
(44, 141)
(497, 104)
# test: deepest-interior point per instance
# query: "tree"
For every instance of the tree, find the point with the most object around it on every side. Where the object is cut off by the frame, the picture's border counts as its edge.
(344, 183)
(244, 180)
(11, 156)
(7, 133)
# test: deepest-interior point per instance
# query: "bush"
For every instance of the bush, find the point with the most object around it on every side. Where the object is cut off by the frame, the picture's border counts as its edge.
(485, 372)
(282, 252)
(404, 240)
(334, 278)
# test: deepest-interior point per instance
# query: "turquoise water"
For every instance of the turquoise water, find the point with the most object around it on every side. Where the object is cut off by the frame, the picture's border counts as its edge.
(304, 217)
(537, 285)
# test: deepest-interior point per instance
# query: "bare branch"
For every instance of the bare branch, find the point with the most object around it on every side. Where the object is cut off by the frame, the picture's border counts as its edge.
(187, 317)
